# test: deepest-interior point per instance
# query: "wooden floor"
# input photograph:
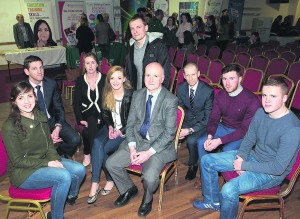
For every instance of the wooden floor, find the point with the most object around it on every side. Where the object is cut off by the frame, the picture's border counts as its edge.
(177, 202)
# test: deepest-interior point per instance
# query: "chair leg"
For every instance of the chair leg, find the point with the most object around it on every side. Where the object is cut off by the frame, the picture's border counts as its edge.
(161, 190)
(281, 210)
(176, 173)
(6, 212)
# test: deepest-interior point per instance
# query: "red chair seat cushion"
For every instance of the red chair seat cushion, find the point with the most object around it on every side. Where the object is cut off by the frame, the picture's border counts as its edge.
(37, 194)
(69, 83)
(232, 174)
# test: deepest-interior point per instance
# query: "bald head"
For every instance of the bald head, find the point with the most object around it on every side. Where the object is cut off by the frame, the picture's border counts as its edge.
(154, 76)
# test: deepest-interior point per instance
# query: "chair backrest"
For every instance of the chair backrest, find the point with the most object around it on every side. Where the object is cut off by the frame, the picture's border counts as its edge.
(215, 71)
(173, 75)
(205, 79)
(294, 72)
(3, 157)
(288, 56)
(172, 52)
(217, 88)
(290, 83)
(231, 46)
(203, 64)
(243, 59)
(201, 50)
(277, 66)
(228, 56)
(214, 52)
(192, 57)
(179, 58)
(255, 51)
(281, 49)
(269, 46)
(252, 79)
(295, 101)
(260, 62)
(297, 53)
(180, 118)
(271, 54)
(241, 48)
(180, 79)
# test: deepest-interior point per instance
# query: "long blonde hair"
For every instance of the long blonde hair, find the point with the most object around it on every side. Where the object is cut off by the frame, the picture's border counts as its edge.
(108, 99)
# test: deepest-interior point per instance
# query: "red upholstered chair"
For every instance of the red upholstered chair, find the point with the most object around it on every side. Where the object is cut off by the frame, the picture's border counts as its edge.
(294, 72)
(21, 199)
(277, 66)
(231, 46)
(271, 54)
(201, 50)
(172, 52)
(215, 71)
(205, 79)
(260, 62)
(180, 79)
(252, 79)
(214, 52)
(290, 83)
(269, 46)
(255, 51)
(295, 101)
(243, 58)
(203, 64)
(267, 194)
(179, 59)
(288, 56)
(282, 49)
(170, 167)
(297, 53)
(241, 48)
(173, 75)
(228, 56)
(192, 57)
(104, 66)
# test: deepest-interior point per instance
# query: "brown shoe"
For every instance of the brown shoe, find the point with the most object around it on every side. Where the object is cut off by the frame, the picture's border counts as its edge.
(197, 184)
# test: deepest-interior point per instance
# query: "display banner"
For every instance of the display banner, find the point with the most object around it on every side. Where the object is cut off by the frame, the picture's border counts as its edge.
(40, 10)
(213, 7)
(162, 5)
(235, 12)
(95, 7)
(69, 15)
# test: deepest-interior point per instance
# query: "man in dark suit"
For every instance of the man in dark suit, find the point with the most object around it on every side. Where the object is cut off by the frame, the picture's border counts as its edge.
(150, 130)
(196, 98)
(23, 33)
(49, 101)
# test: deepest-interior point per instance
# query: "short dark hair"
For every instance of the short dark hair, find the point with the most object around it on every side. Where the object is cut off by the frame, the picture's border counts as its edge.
(99, 17)
(224, 10)
(277, 82)
(136, 17)
(232, 67)
(142, 9)
(159, 12)
(30, 59)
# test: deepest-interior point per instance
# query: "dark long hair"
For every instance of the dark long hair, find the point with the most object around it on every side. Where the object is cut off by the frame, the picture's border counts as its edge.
(50, 41)
(19, 88)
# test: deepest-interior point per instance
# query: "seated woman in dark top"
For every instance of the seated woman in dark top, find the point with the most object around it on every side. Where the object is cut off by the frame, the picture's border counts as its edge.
(33, 160)
(87, 104)
(116, 102)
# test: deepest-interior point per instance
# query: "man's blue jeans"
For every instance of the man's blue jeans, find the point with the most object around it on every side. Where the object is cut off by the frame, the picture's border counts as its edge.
(101, 149)
(63, 181)
(247, 182)
(221, 131)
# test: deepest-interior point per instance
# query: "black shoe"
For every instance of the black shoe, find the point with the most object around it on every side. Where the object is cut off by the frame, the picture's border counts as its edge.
(71, 201)
(125, 198)
(145, 208)
(191, 173)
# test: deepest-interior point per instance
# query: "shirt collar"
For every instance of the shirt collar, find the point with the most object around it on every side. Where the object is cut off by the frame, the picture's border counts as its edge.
(34, 85)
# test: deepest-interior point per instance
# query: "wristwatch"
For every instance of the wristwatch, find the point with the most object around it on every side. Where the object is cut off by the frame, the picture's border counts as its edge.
(191, 131)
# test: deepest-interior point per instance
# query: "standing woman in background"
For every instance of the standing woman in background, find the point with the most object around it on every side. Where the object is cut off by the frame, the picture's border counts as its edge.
(210, 32)
(186, 24)
(169, 32)
(117, 96)
(33, 162)
(87, 104)
(85, 36)
(102, 36)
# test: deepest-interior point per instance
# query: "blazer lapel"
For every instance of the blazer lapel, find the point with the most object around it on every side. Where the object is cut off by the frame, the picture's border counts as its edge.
(187, 95)
(142, 107)
(47, 92)
(198, 92)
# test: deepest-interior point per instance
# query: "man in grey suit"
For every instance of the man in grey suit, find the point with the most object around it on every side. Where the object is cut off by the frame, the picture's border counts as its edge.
(196, 98)
(150, 130)
(23, 33)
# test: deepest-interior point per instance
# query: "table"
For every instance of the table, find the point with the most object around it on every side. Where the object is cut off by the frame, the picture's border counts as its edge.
(53, 55)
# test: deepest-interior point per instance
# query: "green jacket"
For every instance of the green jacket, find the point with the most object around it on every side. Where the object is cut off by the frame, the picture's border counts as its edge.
(155, 25)
(26, 154)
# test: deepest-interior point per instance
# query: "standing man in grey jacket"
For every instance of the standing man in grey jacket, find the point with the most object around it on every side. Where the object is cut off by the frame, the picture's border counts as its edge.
(23, 33)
